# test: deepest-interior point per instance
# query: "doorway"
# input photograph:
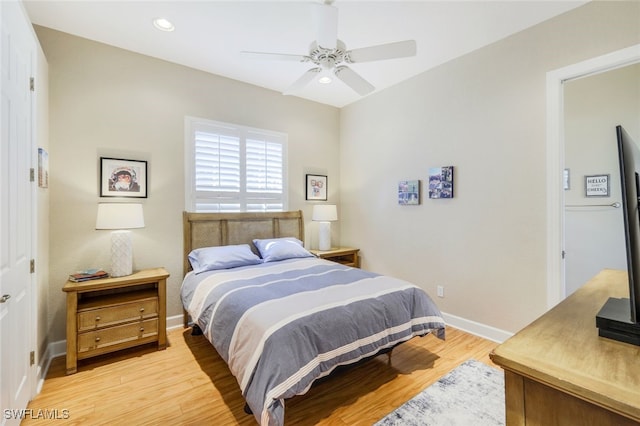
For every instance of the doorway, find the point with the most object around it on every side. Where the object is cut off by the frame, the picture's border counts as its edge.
(556, 287)
(594, 229)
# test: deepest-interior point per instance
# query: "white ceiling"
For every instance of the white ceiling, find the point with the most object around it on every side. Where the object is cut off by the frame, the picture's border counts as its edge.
(210, 35)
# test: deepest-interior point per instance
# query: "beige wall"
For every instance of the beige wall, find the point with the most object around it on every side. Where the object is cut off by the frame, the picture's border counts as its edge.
(483, 113)
(41, 133)
(593, 107)
(106, 101)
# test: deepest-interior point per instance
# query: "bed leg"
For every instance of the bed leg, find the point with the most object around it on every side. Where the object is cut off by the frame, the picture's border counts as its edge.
(185, 318)
(196, 330)
(389, 357)
(247, 409)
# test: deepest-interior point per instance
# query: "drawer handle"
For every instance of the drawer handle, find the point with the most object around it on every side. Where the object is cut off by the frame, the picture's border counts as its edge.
(97, 339)
(141, 309)
(141, 329)
(98, 318)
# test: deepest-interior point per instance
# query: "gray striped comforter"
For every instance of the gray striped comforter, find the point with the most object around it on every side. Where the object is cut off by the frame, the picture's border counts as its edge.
(282, 325)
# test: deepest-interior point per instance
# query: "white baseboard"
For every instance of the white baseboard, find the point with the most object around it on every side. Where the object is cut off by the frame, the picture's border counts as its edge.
(476, 328)
(54, 349)
(174, 322)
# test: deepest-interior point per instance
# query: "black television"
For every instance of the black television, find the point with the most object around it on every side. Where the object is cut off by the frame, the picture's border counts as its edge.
(619, 318)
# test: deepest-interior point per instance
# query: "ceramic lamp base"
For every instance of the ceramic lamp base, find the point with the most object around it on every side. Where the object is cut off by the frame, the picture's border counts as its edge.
(324, 235)
(121, 254)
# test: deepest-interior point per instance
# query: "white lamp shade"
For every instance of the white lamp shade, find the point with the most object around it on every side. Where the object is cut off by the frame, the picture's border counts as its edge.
(119, 216)
(324, 213)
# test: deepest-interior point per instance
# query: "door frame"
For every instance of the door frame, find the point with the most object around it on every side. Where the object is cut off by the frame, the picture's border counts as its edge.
(555, 157)
(25, 38)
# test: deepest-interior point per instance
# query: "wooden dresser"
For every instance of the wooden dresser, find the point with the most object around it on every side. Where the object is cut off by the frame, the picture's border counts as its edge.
(110, 314)
(558, 371)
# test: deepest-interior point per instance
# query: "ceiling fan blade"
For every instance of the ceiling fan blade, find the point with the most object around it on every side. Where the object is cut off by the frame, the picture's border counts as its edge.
(275, 56)
(303, 80)
(326, 20)
(353, 80)
(399, 49)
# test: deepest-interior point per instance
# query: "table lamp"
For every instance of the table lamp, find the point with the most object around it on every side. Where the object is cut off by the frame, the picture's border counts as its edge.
(324, 214)
(120, 217)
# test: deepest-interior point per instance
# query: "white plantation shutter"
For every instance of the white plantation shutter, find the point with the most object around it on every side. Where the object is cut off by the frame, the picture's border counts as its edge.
(217, 162)
(264, 166)
(234, 168)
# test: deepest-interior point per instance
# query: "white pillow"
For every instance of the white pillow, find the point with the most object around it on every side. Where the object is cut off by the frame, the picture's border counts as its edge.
(223, 257)
(274, 249)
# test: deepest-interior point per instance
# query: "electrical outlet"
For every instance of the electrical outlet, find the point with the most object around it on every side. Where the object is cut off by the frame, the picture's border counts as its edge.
(440, 291)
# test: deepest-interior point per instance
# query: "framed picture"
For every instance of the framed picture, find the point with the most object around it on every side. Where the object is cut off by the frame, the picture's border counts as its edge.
(441, 182)
(409, 192)
(316, 187)
(123, 178)
(43, 168)
(596, 185)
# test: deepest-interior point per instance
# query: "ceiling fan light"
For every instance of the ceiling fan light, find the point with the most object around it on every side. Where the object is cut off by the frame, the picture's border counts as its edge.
(325, 79)
(163, 24)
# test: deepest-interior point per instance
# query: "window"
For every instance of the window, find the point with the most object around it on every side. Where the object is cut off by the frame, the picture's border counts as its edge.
(231, 168)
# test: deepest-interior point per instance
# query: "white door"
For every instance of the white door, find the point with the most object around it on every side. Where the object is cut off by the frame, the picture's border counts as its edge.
(16, 190)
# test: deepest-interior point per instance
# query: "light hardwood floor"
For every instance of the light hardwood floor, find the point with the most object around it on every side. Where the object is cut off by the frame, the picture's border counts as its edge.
(188, 383)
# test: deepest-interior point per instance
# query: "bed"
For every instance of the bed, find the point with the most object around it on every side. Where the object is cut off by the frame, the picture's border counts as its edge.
(282, 318)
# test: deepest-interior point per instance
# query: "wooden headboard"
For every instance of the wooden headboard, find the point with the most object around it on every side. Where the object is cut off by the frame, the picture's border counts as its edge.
(221, 229)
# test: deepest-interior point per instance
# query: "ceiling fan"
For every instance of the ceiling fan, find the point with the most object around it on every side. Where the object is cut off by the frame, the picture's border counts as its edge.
(330, 54)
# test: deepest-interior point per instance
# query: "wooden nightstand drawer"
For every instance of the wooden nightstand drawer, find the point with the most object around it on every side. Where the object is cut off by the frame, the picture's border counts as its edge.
(92, 319)
(120, 335)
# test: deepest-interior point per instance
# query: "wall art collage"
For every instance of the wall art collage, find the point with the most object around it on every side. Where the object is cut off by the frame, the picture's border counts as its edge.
(440, 186)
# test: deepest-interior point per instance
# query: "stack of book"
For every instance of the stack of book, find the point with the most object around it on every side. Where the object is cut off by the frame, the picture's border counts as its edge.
(90, 274)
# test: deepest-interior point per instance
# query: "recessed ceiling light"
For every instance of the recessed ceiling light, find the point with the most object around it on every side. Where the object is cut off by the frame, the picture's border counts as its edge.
(163, 24)
(324, 80)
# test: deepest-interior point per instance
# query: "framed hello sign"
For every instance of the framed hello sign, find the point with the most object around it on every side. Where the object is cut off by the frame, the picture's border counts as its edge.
(596, 186)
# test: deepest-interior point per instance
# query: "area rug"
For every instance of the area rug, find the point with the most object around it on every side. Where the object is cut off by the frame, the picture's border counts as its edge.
(470, 395)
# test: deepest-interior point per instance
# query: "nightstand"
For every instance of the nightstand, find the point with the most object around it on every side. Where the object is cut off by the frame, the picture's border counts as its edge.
(110, 314)
(344, 255)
